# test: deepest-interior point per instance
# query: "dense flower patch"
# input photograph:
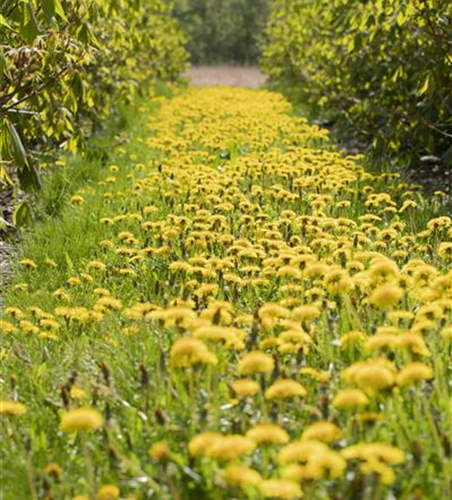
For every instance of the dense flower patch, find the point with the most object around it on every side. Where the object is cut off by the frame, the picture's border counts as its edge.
(257, 316)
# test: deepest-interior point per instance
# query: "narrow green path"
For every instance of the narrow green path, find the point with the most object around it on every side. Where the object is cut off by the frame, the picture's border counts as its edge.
(235, 310)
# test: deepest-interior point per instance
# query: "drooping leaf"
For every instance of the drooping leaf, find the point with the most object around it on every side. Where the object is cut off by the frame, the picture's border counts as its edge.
(18, 150)
(29, 178)
(30, 29)
(22, 215)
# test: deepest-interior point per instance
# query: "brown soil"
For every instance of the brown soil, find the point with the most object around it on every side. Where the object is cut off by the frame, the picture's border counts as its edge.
(233, 76)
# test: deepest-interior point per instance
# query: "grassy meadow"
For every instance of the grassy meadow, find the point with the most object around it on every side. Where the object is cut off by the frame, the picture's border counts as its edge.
(226, 307)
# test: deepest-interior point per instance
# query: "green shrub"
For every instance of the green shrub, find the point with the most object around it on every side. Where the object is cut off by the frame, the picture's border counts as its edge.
(380, 69)
(66, 64)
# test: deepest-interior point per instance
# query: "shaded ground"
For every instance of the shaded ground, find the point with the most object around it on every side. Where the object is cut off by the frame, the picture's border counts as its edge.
(6, 251)
(234, 76)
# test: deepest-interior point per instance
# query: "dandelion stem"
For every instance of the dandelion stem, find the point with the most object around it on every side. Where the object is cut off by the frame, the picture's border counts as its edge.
(28, 461)
(89, 467)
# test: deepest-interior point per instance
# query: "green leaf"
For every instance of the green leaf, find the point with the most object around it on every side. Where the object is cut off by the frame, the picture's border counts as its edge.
(4, 22)
(18, 150)
(29, 178)
(77, 86)
(4, 177)
(59, 10)
(48, 6)
(30, 29)
(22, 215)
(69, 262)
(425, 87)
(4, 70)
(27, 173)
(401, 18)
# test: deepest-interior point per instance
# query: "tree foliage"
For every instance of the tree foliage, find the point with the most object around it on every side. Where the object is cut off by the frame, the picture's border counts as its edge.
(223, 30)
(65, 64)
(381, 68)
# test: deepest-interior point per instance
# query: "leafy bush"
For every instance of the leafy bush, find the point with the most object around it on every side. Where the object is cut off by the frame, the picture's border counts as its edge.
(64, 65)
(223, 30)
(382, 69)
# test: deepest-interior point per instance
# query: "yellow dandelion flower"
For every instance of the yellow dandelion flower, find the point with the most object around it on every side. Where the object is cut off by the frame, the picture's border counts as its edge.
(374, 451)
(230, 447)
(200, 444)
(255, 362)
(97, 265)
(77, 200)
(78, 393)
(446, 332)
(381, 341)
(373, 375)
(337, 282)
(241, 477)
(412, 342)
(108, 492)
(295, 336)
(54, 470)
(189, 352)
(318, 375)
(285, 389)
(245, 387)
(29, 263)
(327, 464)
(322, 431)
(414, 372)
(7, 327)
(74, 281)
(352, 338)
(280, 488)
(10, 407)
(294, 472)
(305, 313)
(160, 451)
(350, 399)
(386, 296)
(81, 419)
(385, 473)
(268, 433)
(232, 337)
(445, 250)
(108, 303)
(273, 311)
(300, 451)
(14, 312)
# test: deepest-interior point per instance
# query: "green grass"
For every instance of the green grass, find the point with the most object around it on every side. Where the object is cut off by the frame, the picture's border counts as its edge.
(127, 376)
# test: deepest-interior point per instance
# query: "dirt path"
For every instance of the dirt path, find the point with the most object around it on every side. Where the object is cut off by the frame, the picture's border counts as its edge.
(234, 76)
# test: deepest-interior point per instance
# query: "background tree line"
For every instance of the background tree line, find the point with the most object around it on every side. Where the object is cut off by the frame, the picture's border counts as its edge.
(223, 30)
